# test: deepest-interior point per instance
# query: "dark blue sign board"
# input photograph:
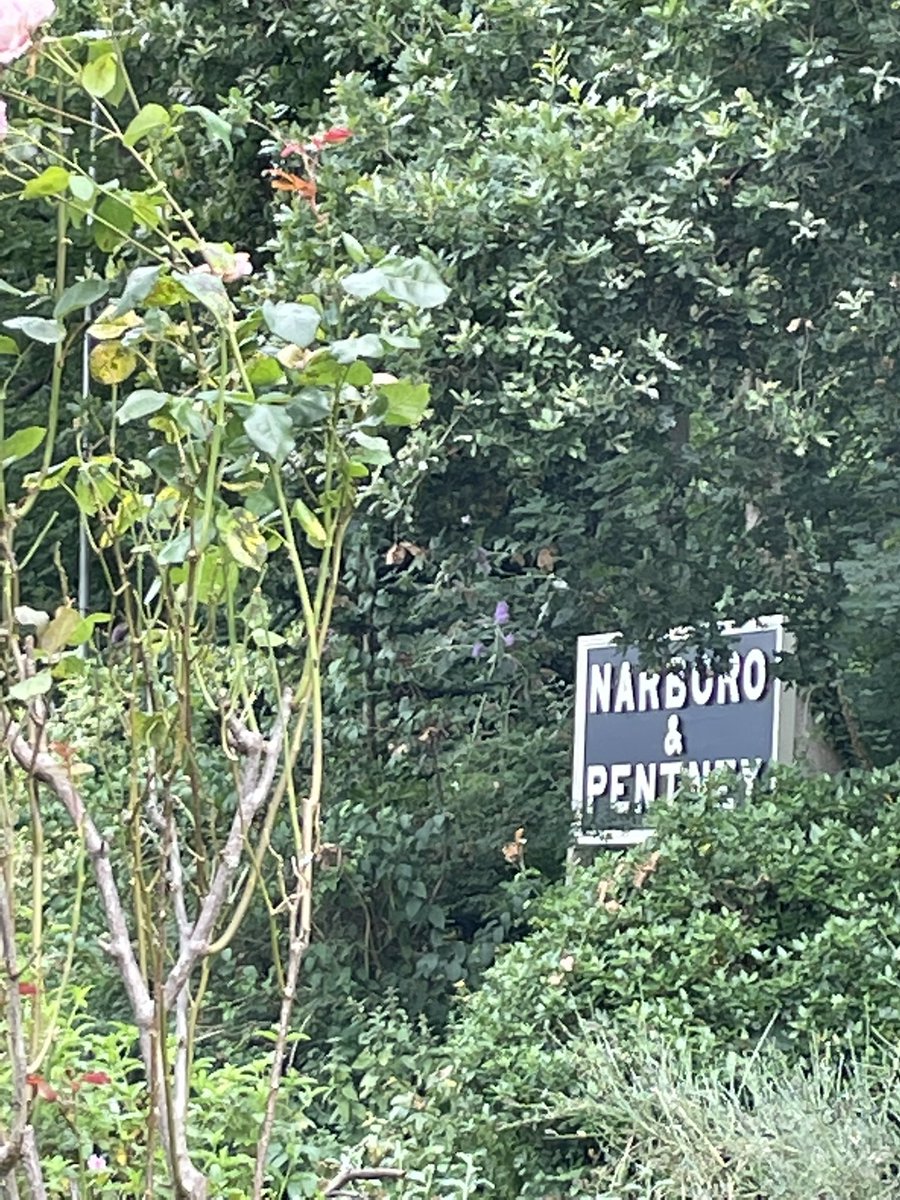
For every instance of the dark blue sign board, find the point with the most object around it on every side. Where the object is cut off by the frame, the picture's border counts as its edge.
(639, 733)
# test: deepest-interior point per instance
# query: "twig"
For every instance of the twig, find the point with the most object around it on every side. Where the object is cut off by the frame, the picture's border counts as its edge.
(299, 941)
(20, 1147)
(351, 1174)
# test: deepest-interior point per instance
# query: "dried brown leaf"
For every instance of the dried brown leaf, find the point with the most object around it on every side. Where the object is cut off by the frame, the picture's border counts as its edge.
(646, 869)
(546, 558)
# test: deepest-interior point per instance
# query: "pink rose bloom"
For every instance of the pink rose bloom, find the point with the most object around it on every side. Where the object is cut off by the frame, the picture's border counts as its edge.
(222, 261)
(4, 123)
(241, 268)
(18, 21)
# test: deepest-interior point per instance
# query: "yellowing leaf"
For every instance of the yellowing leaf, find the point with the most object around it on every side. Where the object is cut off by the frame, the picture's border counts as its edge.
(107, 326)
(111, 362)
(243, 538)
(65, 621)
(310, 524)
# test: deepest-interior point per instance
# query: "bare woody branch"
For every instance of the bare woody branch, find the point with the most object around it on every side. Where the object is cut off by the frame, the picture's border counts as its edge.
(257, 781)
(43, 767)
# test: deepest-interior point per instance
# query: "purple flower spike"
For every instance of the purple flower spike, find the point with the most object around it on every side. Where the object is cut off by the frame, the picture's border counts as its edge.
(478, 650)
(501, 613)
(509, 639)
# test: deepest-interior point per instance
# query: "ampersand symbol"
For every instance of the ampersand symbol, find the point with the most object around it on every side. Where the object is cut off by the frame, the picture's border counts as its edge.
(673, 742)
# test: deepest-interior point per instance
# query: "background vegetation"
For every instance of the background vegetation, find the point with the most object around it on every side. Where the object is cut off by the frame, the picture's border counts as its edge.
(663, 392)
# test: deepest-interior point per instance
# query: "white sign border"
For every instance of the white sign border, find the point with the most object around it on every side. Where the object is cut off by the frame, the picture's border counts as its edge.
(783, 720)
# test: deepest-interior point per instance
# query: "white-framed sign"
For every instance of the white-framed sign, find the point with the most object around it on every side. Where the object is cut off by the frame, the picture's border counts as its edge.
(639, 733)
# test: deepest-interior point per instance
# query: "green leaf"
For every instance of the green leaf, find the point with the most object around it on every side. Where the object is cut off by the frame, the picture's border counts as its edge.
(349, 349)
(310, 524)
(70, 666)
(141, 403)
(7, 289)
(57, 634)
(21, 444)
(359, 374)
(400, 341)
(138, 286)
(55, 477)
(82, 188)
(84, 630)
(309, 406)
(296, 323)
(406, 402)
(210, 291)
(80, 295)
(189, 418)
(269, 428)
(217, 127)
(415, 281)
(263, 371)
(323, 368)
(8, 345)
(411, 280)
(177, 550)
(152, 118)
(266, 638)
(98, 78)
(50, 182)
(364, 284)
(355, 250)
(114, 221)
(37, 685)
(373, 450)
(39, 329)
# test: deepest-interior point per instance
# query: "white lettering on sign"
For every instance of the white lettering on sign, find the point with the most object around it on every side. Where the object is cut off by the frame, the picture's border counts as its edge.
(635, 786)
(622, 688)
(625, 690)
(601, 687)
(754, 674)
(648, 692)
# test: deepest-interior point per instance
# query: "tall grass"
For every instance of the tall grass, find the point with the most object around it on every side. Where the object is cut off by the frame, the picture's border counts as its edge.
(656, 1124)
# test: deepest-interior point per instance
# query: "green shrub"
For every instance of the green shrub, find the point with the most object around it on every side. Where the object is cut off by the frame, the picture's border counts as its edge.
(93, 1122)
(778, 919)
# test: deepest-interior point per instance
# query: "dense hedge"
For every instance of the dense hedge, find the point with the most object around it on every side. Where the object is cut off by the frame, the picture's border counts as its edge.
(775, 922)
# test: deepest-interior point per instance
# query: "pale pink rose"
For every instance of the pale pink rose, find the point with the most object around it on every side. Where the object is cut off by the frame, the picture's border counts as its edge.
(4, 123)
(18, 21)
(222, 261)
(241, 269)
